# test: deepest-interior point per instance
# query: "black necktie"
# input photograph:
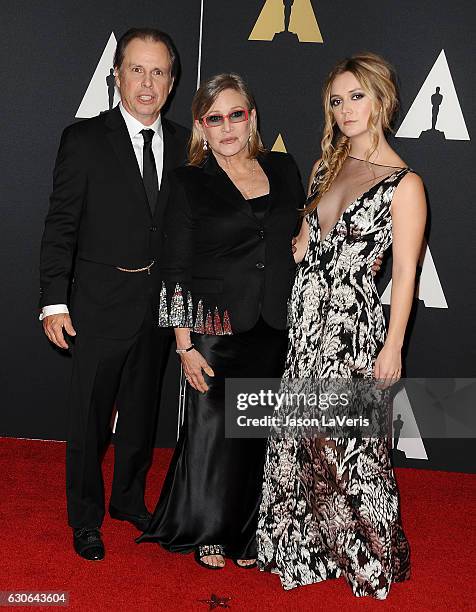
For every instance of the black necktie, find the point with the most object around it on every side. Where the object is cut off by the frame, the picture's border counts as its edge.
(149, 170)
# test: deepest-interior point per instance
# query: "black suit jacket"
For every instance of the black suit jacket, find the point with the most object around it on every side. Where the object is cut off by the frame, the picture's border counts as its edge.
(222, 267)
(100, 219)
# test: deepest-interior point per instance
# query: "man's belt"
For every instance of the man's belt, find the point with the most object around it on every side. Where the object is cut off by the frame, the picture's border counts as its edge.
(146, 269)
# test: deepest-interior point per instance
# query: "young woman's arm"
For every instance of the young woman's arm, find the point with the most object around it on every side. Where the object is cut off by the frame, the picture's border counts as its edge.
(408, 211)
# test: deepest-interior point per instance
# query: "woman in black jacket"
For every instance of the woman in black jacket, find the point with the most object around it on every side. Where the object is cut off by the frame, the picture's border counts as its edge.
(228, 268)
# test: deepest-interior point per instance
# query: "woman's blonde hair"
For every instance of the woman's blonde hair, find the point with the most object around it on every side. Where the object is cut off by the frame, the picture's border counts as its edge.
(202, 102)
(377, 78)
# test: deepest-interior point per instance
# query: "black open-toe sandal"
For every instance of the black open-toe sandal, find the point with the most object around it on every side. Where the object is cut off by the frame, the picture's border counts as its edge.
(249, 566)
(205, 551)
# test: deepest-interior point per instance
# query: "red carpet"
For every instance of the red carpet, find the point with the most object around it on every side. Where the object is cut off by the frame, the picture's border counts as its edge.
(438, 515)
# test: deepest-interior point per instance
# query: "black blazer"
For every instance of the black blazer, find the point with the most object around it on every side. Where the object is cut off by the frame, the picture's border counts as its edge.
(222, 267)
(100, 219)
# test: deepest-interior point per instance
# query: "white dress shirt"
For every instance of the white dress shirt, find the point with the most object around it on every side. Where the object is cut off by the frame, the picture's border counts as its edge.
(134, 128)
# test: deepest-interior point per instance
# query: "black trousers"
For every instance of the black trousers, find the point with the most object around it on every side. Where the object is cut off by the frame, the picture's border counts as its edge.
(126, 373)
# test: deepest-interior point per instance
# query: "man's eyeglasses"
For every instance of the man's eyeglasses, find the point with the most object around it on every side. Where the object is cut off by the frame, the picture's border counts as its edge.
(216, 119)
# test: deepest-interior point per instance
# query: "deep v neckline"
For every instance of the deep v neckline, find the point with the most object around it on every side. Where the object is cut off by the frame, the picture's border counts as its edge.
(351, 205)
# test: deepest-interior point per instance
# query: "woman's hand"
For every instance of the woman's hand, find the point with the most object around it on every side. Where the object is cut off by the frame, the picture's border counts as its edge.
(193, 363)
(388, 366)
(299, 243)
(377, 264)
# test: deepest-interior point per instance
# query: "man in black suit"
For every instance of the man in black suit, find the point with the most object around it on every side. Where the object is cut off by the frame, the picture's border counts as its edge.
(99, 256)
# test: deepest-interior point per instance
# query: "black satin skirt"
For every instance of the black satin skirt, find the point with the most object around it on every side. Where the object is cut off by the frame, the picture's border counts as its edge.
(212, 490)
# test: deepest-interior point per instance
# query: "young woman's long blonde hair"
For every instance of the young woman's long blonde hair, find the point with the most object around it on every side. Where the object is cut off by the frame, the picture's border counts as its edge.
(203, 100)
(377, 78)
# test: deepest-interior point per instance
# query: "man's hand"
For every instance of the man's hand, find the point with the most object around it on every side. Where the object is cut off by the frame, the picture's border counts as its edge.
(377, 264)
(53, 327)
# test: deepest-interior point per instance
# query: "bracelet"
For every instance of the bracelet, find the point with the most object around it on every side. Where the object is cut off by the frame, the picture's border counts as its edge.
(180, 351)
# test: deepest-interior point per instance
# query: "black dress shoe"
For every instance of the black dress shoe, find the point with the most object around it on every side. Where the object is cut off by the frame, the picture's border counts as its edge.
(88, 543)
(140, 521)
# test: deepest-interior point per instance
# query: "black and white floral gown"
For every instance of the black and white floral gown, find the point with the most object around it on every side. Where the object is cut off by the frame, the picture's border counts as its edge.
(330, 506)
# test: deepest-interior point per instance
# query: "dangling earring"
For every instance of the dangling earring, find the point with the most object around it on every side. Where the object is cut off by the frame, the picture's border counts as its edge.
(205, 145)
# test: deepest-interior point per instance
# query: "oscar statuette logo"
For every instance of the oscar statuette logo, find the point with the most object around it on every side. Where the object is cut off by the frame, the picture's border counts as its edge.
(287, 21)
(435, 115)
(101, 94)
(404, 421)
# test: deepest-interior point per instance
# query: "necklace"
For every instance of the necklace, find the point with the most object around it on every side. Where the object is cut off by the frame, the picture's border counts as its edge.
(248, 190)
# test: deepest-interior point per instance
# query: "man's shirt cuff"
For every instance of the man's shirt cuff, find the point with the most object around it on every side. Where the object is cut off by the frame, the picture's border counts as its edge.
(53, 309)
